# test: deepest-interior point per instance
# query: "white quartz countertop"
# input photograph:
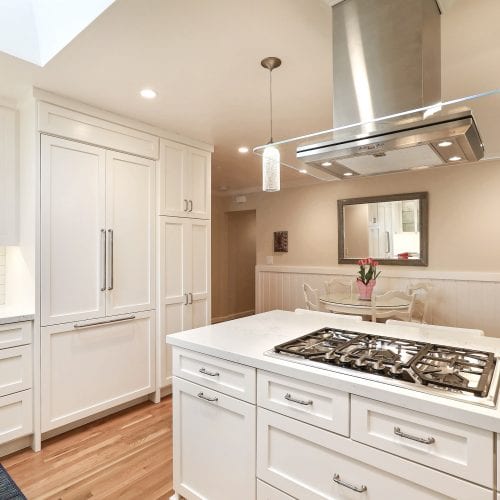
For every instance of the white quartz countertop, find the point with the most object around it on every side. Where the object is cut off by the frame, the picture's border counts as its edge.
(15, 314)
(245, 340)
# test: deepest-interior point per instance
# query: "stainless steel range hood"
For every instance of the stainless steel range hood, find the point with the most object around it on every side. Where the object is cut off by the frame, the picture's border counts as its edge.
(386, 60)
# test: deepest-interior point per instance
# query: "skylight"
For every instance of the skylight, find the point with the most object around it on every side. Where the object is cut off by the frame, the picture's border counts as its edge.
(36, 30)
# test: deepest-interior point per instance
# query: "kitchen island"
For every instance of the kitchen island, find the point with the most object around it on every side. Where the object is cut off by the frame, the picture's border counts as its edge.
(250, 425)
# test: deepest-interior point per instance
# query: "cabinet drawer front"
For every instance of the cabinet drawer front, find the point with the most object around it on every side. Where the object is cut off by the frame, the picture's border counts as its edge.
(16, 418)
(266, 492)
(214, 444)
(15, 334)
(88, 370)
(227, 377)
(452, 447)
(311, 463)
(15, 369)
(314, 404)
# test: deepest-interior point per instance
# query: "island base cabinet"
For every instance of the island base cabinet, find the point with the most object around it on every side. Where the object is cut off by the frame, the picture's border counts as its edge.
(214, 444)
(88, 367)
(266, 492)
(309, 463)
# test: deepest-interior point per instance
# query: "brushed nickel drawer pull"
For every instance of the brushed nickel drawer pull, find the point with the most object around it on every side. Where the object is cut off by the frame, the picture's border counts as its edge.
(359, 489)
(186, 300)
(103, 257)
(289, 397)
(206, 398)
(210, 374)
(98, 323)
(111, 259)
(186, 205)
(400, 433)
(190, 205)
(190, 298)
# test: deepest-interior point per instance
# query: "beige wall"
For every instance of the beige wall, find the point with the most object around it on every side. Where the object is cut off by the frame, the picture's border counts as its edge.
(356, 230)
(464, 203)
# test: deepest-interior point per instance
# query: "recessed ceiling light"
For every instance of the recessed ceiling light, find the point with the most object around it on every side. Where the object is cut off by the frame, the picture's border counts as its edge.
(303, 171)
(326, 164)
(243, 149)
(347, 174)
(455, 158)
(420, 167)
(444, 144)
(148, 93)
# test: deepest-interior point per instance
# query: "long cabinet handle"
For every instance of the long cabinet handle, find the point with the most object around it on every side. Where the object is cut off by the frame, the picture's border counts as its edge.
(190, 205)
(186, 299)
(186, 205)
(111, 259)
(210, 374)
(289, 397)
(359, 489)
(206, 398)
(190, 297)
(400, 433)
(103, 260)
(98, 323)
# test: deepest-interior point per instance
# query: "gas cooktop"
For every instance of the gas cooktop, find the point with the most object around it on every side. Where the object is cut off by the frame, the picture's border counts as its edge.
(462, 374)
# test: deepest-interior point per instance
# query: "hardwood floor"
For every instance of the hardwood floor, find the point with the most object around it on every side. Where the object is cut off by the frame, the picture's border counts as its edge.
(127, 455)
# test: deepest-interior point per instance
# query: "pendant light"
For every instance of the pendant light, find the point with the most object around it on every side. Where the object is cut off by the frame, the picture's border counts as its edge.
(271, 155)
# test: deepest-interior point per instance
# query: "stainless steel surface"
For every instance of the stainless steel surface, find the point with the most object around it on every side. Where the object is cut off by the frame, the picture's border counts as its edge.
(207, 398)
(289, 397)
(111, 257)
(210, 374)
(103, 260)
(98, 323)
(359, 489)
(428, 440)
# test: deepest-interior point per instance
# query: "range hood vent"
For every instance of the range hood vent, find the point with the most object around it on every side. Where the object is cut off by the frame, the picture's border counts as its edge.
(387, 60)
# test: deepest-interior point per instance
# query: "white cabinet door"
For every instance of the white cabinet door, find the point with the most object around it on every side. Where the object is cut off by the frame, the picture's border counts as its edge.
(130, 209)
(200, 273)
(214, 444)
(199, 184)
(72, 231)
(9, 177)
(173, 179)
(175, 315)
(91, 368)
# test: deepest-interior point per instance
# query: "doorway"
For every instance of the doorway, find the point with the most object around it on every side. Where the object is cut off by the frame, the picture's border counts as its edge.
(241, 241)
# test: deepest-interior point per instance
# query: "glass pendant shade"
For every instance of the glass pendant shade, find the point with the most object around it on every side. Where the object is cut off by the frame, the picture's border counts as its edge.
(271, 169)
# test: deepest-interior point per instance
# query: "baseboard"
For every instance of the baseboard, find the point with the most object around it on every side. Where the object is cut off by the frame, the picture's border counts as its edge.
(16, 445)
(229, 317)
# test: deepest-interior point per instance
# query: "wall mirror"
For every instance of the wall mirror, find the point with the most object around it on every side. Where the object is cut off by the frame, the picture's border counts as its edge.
(392, 229)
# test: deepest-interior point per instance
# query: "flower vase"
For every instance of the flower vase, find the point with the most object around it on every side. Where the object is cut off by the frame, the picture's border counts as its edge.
(365, 291)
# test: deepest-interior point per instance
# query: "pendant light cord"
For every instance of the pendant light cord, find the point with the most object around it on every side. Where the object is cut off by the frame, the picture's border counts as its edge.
(271, 101)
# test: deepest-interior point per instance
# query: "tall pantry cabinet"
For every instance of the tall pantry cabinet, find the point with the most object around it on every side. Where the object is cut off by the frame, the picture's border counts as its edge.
(184, 244)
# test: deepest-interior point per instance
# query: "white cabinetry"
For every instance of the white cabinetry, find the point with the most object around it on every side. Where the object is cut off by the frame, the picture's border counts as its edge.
(214, 444)
(97, 236)
(89, 367)
(184, 296)
(9, 176)
(184, 180)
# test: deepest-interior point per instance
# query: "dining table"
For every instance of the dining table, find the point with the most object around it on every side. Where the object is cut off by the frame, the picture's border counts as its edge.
(343, 303)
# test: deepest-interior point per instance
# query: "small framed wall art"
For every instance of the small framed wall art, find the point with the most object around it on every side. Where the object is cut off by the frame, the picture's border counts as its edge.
(281, 241)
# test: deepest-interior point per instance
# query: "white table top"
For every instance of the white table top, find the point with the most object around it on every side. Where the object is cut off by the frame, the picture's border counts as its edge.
(353, 300)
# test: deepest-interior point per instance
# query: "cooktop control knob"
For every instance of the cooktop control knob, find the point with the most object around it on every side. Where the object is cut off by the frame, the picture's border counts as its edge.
(345, 358)
(361, 361)
(396, 368)
(378, 365)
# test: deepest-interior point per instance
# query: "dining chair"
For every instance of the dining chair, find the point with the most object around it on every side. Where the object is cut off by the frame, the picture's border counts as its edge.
(311, 297)
(422, 311)
(330, 315)
(400, 313)
(438, 328)
(337, 286)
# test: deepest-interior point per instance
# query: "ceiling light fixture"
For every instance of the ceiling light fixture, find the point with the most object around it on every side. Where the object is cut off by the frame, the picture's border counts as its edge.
(271, 154)
(444, 144)
(148, 93)
(326, 164)
(347, 174)
(303, 171)
(455, 158)
(243, 150)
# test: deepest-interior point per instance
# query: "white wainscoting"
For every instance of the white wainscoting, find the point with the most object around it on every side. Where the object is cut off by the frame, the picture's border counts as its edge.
(463, 299)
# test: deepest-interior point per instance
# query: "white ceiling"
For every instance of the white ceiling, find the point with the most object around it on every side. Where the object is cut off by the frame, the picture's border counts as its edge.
(203, 58)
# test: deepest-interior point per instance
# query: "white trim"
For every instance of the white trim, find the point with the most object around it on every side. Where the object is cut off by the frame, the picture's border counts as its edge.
(399, 272)
(229, 317)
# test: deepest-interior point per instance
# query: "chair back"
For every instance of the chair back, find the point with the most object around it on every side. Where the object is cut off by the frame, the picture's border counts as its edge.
(438, 328)
(422, 311)
(336, 286)
(311, 297)
(328, 314)
(403, 313)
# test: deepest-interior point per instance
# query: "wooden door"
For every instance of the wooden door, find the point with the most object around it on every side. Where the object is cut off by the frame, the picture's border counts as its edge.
(72, 231)
(214, 444)
(130, 210)
(175, 283)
